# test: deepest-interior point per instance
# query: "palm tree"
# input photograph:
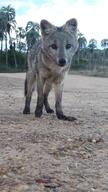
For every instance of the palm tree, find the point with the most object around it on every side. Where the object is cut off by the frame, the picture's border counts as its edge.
(8, 15)
(82, 45)
(2, 29)
(32, 33)
(32, 25)
(104, 43)
(3, 24)
(82, 42)
(20, 34)
(92, 46)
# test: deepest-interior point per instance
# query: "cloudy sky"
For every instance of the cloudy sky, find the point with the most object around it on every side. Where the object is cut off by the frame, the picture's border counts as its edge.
(91, 14)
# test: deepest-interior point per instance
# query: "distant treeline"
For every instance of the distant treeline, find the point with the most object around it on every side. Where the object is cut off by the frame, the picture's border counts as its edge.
(16, 61)
(13, 49)
(91, 61)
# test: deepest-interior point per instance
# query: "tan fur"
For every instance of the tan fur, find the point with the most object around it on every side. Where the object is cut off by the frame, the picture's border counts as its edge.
(48, 62)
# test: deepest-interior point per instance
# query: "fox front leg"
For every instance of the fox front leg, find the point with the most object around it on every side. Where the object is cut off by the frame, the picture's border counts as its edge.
(47, 89)
(40, 97)
(58, 104)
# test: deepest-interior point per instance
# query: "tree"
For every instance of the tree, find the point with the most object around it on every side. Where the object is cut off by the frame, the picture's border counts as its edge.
(104, 43)
(81, 49)
(20, 34)
(21, 46)
(82, 41)
(2, 29)
(92, 46)
(32, 25)
(32, 33)
(8, 21)
(9, 14)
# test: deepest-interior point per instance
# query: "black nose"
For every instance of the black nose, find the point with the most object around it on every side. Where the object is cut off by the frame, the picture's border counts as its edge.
(62, 62)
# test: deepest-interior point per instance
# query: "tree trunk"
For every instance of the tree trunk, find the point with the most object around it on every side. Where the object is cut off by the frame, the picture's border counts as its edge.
(1, 46)
(1, 53)
(13, 50)
(6, 51)
(16, 66)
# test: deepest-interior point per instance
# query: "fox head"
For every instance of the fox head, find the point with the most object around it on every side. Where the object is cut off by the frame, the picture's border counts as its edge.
(60, 43)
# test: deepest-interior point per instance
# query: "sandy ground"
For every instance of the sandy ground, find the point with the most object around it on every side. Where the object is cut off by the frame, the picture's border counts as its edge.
(50, 155)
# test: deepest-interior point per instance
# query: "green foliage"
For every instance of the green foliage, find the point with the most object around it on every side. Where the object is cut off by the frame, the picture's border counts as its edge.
(20, 58)
(80, 64)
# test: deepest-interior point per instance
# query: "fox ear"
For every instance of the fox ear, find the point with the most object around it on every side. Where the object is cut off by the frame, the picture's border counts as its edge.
(46, 27)
(71, 26)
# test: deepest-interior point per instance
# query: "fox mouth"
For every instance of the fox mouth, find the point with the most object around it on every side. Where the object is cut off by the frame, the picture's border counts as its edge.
(62, 65)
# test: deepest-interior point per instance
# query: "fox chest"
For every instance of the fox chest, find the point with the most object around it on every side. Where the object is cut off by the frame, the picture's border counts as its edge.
(53, 76)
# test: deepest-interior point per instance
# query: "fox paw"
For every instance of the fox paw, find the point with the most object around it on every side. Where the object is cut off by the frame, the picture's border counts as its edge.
(49, 110)
(38, 113)
(26, 111)
(66, 118)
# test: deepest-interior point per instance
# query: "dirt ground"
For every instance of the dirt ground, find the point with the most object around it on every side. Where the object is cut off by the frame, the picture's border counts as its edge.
(50, 155)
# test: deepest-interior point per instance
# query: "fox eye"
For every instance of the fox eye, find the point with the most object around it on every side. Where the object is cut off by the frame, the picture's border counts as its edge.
(54, 46)
(68, 46)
